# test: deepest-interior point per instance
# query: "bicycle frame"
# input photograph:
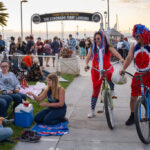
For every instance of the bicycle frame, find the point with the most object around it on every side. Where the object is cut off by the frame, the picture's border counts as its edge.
(105, 86)
(145, 94)
(146, 97)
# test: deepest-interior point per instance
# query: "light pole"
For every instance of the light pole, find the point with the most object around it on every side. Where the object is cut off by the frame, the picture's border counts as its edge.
(22, 1)
(62, 30)
(108, 12)
(77, 31)
(47, 30)
(105, 15)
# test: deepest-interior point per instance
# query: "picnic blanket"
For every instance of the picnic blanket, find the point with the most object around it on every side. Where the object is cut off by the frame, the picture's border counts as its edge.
(45, 130)
(36, 89)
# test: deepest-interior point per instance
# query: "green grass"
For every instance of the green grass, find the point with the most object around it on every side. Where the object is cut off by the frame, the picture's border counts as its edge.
(17, 130)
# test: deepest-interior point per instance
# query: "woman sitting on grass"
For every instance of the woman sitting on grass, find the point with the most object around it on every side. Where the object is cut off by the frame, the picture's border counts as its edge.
(55, 107)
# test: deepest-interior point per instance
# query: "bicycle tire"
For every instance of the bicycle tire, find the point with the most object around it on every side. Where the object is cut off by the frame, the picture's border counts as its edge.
(108, 109)
(140, 102)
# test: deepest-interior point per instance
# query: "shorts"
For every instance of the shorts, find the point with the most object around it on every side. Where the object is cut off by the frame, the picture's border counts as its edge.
(136, 84)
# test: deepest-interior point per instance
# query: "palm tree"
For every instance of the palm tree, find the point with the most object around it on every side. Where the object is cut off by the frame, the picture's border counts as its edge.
(3, 16)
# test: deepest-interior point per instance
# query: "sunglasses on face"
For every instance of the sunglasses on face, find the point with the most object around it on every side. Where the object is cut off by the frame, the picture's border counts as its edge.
(4, 66)
(97, 39)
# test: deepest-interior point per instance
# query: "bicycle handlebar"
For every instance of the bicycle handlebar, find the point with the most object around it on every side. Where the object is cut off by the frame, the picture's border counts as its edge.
(137, 76)
(105, 70)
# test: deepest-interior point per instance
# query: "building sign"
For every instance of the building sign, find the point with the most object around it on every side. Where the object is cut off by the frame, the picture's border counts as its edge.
(36, 18)
(94, 17)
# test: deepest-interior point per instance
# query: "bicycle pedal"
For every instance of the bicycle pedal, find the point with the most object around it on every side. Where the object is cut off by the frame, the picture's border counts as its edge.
(114, 97)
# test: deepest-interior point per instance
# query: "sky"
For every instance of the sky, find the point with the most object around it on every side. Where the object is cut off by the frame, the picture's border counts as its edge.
(129, 12)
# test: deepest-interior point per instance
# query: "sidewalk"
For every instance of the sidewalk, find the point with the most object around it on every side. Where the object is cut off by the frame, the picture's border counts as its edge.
(92, 134)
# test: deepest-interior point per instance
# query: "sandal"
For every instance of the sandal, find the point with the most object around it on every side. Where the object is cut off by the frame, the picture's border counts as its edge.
(30, 136)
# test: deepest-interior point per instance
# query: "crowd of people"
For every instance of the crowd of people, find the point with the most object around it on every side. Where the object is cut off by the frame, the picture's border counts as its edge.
(99, 50)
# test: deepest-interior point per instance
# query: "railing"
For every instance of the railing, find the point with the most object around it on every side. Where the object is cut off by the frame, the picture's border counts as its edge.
(5, 54)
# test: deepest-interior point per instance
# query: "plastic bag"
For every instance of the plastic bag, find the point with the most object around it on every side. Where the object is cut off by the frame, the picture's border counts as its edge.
(116, 77)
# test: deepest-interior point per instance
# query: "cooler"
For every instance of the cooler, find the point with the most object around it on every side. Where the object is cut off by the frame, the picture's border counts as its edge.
(23, 115)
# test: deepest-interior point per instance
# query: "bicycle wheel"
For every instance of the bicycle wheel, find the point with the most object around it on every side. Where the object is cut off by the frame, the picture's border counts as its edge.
(108, 103)
(141, 121)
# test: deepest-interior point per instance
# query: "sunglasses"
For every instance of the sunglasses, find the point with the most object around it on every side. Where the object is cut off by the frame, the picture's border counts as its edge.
(97, 39)
(4, 66)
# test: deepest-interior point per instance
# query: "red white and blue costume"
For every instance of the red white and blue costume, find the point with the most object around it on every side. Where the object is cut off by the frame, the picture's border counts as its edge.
(141, 59)
(100, 61)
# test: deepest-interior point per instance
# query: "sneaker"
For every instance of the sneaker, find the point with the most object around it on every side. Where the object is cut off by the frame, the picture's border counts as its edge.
(130, 121)
(91, 115)
(114, 96)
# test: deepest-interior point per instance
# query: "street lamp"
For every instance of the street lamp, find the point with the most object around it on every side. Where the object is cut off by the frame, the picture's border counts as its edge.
(105, 15)
(108, 12)
(22, 1)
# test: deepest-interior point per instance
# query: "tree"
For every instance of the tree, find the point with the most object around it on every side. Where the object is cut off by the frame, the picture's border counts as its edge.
(3, 16)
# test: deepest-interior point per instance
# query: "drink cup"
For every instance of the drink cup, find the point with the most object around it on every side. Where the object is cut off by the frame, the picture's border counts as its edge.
(26, 104)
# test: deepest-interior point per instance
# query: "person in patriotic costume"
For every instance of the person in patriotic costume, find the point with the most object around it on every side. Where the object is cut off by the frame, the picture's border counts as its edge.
(101, 53)
(140, 53)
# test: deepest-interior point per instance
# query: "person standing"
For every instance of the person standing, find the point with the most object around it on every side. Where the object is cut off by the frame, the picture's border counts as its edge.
(2, 44)
(121, 46)
(88, 44)
(140, 53)
(21, 46)
(55, 48)
(82, 49)
(127, 46)
(30, 47)
(12, 46)
(40, 50)
(47, 51)
(72, 44)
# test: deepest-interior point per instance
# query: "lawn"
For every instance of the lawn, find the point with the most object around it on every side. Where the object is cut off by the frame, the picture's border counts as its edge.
(17, 130)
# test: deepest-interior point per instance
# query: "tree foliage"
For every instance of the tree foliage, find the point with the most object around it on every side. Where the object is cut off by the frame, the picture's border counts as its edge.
(3, 15)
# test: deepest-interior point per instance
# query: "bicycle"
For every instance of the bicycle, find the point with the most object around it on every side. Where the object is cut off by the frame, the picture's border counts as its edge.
(142, 111)
(106, 98)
